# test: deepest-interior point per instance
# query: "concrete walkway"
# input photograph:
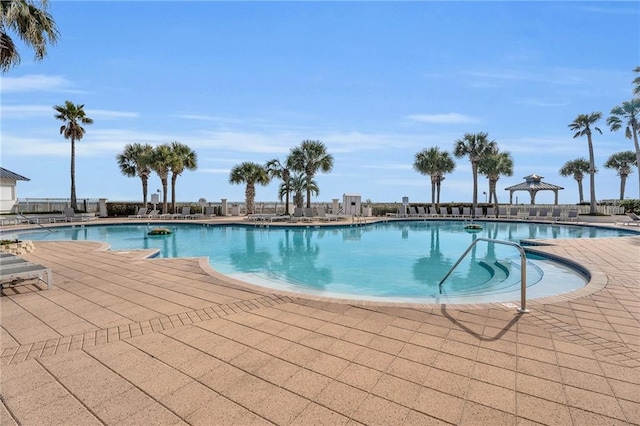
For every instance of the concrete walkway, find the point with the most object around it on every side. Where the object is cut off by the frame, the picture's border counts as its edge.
(126, 340)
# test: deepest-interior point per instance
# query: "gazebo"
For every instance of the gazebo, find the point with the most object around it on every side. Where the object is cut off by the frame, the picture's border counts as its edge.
(533, 184)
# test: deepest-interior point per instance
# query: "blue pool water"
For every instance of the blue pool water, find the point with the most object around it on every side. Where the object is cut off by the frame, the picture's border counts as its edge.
(394, 261)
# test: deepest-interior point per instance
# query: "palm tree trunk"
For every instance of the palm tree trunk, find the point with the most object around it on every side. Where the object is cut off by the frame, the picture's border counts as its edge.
(474, 169)
(145, 188)
(174, 177)
(164, 195)
(623, 183)
(438, 186)
(73, 174)
(592, 178)
(580, 191)
(634, 131)
(433, 192)
(250, 195)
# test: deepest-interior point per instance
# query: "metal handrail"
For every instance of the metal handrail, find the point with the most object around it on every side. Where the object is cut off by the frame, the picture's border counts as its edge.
(523, 269)
(30, 221)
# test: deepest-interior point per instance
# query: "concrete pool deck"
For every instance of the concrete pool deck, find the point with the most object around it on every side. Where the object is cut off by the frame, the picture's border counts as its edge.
(122, 339)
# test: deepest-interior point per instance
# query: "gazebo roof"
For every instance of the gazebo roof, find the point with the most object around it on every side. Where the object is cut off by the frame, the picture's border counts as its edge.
(534, 183)
(8, 174)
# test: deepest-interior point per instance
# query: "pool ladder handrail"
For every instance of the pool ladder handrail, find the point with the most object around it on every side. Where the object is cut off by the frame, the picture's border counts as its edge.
(523, 269)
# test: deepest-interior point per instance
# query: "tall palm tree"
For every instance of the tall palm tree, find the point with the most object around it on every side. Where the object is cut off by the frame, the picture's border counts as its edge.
(277, 169)
(134, 161)
(32, 24)
(434, 163)
(629, 112)
(576, 168)
(161, 161)
(182, 158)
(475, 146)
(622, 163)
(250, 174)
(636, 82)
(582, 126)
(493, 165)
(73, 117)
(310, 158)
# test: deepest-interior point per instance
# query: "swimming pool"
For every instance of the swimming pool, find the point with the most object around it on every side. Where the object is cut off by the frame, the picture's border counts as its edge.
(393, 261)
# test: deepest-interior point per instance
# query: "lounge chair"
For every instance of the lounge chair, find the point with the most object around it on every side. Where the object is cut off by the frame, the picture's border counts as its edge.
(543, 213)
(298, 213)
(491, 212)
(502, 212)
(153, 214)
(309, 215)
(556, 214)
(209, 211)
(322, 215)
(12, 261)
(11, 276)
(443, 212)
(142, 211)
(513, 213)
(466, 212)
(70, 215)
(634, 219)
(478, 212)
(184, 214)
(533, 212)
(431, 211)
(572, 216)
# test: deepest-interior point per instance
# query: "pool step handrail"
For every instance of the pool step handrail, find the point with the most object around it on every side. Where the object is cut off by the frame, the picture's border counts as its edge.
(523, 268)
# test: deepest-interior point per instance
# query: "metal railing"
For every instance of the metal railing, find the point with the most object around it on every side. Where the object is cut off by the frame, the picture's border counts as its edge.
(523, 269)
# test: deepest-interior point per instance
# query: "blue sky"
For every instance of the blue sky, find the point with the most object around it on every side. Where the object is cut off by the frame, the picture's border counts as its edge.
(375, 81)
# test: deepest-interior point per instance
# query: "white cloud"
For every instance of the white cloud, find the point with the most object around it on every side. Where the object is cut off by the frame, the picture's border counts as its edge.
(34, 83)
(448, 118)
(26, 111)
(106, 114)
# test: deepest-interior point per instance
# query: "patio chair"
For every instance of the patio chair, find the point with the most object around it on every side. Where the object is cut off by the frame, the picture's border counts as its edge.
(153, 214)
(491, 212)
(478, 212)
(184, 214)
(513, 213)
(142, 211)
(556, 214)
(502, 212)
(298, 213)
(572, 216)
(443, 211)
(533, 212)
(466, 212)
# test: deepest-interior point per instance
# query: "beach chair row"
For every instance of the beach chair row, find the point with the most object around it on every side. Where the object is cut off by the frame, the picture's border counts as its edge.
(299, 215)
(14, 270)
(185, 213)
(542, 213)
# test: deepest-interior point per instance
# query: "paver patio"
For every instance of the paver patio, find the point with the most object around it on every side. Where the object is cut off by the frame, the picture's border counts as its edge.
(122, 339)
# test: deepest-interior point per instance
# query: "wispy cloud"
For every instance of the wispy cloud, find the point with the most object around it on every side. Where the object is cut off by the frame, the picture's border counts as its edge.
(448, 118)
(35, 83)
(107, 114)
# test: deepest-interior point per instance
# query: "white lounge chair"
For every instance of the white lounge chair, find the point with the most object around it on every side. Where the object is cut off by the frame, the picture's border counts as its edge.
(513, 213)
(184, 214)
(572, 216)
(478, 212)
(556, 214)
(322, 215)
(502, 212)
(11, 276)
(543, 213)
(491, 212)
(466, 212)
(634, 219)
(142, 211)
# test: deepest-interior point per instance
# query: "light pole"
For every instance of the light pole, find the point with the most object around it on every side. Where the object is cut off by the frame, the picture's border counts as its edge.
(486, 200)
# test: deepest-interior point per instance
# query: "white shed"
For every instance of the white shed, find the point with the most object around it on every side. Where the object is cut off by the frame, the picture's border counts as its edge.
(8, 193)
(351, 203)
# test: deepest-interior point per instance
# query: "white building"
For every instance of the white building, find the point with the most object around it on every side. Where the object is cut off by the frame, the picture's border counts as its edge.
(8, 193)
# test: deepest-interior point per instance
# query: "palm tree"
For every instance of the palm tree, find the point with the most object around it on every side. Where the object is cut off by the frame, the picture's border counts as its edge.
(636, 82)
(161, 161)
(182, 158)
(576, 168)
(475, 146)
(298, 186)
(629, 112)
(73, 117)
(310, 158)
(493, 165)
(33, 25)
(622, 163)
(134, 161)
(436, 164)
(582, 126)
(250, 174)
(276, 169)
